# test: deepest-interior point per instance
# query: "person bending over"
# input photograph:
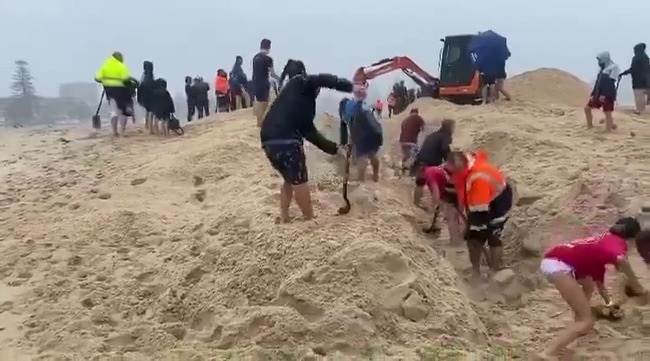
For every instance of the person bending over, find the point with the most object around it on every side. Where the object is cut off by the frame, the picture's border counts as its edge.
(578, 267)
(487, 199)
(290, 120)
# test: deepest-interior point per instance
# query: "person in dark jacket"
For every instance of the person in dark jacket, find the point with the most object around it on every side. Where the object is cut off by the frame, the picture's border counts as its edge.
(189, 95)
(290, 120)
(201, 98)
(433, 152)
(238, 83)
(603, 95)
(144, 94)
(162, 105)
(640, 71)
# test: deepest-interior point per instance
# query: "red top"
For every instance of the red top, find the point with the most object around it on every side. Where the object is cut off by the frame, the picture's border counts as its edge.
(436, 178)
(411, 127)
(590, 256)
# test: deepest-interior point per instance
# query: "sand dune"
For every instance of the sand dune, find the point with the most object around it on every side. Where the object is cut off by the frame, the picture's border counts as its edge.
(150, 249)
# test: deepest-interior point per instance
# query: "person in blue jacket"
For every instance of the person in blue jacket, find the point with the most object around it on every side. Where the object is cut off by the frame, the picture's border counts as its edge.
(366, 136)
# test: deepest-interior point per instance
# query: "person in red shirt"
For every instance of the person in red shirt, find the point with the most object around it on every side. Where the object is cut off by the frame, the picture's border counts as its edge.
(576, 268)
(408, 138)
(379, 107)
(443, 198)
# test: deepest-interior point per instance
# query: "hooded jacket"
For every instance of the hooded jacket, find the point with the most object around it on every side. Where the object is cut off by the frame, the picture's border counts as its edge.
(146, 86)
(239, 79)
(200, 90)
(607, 77)
(640, 68)
(435, 148)
(162, 101)
(290, 118)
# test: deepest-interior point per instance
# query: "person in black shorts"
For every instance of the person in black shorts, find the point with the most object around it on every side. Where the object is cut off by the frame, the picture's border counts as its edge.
(290, 120)
(261, 85)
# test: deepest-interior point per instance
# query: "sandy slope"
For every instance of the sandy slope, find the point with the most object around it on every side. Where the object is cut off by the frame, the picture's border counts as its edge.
(156, 249)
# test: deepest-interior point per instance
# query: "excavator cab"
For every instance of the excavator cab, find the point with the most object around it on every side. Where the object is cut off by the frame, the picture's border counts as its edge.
(459, 80)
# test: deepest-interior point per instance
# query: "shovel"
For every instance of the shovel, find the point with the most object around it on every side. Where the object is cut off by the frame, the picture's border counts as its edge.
(97, 121)
(346, 177)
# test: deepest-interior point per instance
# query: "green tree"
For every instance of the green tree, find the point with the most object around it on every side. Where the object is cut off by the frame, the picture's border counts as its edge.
(23, 107)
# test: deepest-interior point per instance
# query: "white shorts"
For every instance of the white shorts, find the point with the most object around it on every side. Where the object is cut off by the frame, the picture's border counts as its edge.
(550, 266)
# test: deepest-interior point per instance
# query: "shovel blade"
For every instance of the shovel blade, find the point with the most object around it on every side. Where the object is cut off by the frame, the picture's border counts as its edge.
(97, 122)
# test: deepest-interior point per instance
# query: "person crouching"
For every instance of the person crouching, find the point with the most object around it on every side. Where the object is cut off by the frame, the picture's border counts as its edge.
(290, 120)
(163, 106)
(486, 196)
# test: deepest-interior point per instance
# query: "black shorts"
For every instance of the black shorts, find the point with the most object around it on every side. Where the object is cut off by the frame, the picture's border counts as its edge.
(289, 160)
(122, 98)
(491, 79)
(499, 210)
(262, 92)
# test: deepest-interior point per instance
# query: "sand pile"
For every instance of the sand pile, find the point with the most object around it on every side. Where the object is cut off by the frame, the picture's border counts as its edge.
(550, 86)
(152, 249)
(180, 254)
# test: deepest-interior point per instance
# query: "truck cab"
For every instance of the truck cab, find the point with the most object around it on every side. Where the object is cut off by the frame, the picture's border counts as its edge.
(459, 80)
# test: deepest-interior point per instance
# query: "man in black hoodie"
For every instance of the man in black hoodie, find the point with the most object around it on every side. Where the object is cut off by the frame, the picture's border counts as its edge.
(640, 71)
(145, 90)
(290, 120)
(433, 152)
(189, 95)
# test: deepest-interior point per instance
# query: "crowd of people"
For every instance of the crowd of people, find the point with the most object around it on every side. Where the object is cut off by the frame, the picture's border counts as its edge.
(231, 90)
(473, 195)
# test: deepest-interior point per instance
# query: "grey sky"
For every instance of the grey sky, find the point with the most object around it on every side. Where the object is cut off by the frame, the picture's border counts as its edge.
(67, 40)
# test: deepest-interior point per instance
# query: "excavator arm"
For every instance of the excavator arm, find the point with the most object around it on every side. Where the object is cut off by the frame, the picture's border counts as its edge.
(403, 63)
(388, 65)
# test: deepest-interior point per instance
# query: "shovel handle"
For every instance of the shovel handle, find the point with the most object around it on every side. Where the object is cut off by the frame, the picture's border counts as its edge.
(346, 177)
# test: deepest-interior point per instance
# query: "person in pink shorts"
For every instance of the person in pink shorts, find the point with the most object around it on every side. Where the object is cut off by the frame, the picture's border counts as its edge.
(578, 267)
(443, 197)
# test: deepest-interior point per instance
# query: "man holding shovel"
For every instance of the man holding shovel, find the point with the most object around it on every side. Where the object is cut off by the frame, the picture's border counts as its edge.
(115, 76)
(487, 199)
(288, 122)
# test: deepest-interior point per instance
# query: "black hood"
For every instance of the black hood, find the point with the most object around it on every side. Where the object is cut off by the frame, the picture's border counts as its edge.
(147, 66)
(639, 49)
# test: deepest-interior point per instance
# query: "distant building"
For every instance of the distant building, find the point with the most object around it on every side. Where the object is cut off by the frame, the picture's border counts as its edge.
(86, 92)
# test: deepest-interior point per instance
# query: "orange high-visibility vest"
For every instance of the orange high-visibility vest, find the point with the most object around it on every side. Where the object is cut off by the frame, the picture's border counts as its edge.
(479, 184)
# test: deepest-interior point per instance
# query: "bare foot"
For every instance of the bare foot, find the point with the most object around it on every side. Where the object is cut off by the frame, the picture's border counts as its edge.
(279, 220)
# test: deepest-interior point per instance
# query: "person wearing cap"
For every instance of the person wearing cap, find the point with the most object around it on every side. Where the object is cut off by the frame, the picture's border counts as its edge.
(578, 267)
(288, 122)
(116, 79)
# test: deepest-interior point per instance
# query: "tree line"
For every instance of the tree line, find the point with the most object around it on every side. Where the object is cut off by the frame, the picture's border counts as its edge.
(25, 107)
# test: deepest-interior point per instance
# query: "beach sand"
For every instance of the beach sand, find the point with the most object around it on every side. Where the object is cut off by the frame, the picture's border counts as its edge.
(168, 249)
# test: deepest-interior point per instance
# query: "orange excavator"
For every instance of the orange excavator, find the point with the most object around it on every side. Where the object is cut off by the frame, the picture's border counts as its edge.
(459, 82)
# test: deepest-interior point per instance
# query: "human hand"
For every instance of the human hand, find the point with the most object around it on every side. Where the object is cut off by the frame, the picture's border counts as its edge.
(601, 98)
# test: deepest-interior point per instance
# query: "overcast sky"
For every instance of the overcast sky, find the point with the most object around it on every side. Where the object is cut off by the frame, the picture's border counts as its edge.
(67, 40)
